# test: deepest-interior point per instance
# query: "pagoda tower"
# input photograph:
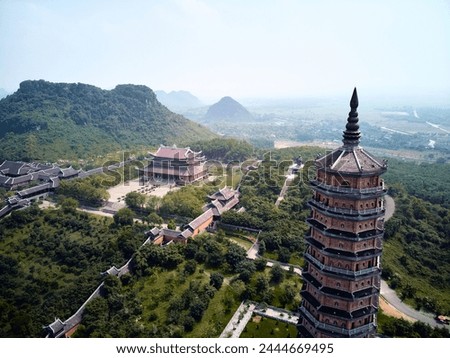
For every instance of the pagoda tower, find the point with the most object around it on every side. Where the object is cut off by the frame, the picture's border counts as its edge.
(341, 277)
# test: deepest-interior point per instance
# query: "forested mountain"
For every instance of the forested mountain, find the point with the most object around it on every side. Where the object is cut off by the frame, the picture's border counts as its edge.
(50, 121)
(227, 109)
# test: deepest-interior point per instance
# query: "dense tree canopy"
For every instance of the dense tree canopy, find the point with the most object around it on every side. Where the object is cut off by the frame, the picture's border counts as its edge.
(186, 202)
(89, 191)
(224, 149)
(50, 262)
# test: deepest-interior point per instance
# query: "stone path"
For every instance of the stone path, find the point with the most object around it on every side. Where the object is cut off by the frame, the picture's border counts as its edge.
(289, 178)
(239, 320)
(245, 312)
(252, 254)
(278, 314)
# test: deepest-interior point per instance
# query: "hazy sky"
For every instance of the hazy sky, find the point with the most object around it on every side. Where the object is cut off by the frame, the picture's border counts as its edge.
(240, 48)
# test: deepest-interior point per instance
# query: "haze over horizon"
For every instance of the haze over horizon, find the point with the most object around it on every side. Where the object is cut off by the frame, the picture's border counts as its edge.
(245, 49)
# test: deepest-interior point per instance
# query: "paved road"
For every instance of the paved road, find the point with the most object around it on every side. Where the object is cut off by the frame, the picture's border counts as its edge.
(388, 293)
(391, 296)
(252, 253)
(389, 205)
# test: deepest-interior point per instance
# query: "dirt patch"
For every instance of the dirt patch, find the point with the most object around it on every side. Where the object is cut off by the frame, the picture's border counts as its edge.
(256, 319)
(47, 204)
(390, 310)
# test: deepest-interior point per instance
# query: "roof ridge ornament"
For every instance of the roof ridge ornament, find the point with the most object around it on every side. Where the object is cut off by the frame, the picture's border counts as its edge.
(352, 133)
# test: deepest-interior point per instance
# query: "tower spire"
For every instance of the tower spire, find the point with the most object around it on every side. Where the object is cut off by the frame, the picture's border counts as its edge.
(352, 133)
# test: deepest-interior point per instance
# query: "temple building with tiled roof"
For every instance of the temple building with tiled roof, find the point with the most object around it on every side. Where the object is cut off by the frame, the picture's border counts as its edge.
(16, 174)
(178, 165)
(341, 277)
(223, 200)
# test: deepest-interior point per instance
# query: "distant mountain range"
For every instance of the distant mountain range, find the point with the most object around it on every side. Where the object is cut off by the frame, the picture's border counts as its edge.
(3, 93)
(227, 109)
(178, 100)
(50, 121)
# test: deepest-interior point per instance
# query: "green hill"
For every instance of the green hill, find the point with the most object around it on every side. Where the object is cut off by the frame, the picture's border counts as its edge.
(51, 121)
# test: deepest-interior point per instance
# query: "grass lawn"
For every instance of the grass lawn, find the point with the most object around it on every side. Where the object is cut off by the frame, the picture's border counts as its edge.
(157, 290)
(216, 317)
(271, 255)
(240, 241)
(234, 179)
(293, 281)
(227, 177)
(296, 259)
(262, 327)
(284, 294)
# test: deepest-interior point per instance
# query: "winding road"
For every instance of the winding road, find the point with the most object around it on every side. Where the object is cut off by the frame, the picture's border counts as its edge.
(391, 296)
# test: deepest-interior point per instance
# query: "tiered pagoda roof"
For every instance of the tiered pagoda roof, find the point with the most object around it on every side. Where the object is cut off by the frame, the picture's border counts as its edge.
(351, 158)
(342, 259)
